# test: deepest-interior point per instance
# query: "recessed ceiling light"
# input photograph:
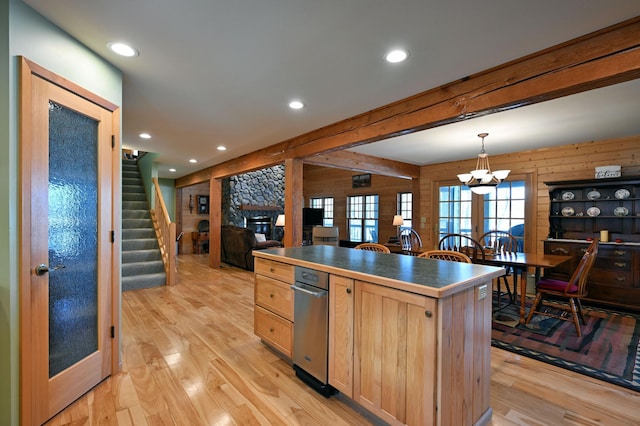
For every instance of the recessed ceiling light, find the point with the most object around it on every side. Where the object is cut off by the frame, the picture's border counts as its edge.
(145, 135)
(193, 160)
(122, 49)
(172, 170)
(396, 55)
(222, 148)
(296, 105)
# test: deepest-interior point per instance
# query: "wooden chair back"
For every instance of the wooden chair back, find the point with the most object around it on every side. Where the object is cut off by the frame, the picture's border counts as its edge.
(453, 256)
(463, 244)
(580, 275)
(373, 247)
(410, 239)
(499, 242)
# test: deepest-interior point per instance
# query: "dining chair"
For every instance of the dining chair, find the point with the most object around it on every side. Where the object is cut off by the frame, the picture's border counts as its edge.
(572, 291)
(463, 244)
(373, 247)
(410, 240)
(503, 243)
(450, 255)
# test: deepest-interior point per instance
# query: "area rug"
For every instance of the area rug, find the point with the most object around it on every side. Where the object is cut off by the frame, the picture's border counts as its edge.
(608, 349)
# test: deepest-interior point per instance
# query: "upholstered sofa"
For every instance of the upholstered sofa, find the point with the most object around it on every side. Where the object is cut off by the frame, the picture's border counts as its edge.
(237, 245)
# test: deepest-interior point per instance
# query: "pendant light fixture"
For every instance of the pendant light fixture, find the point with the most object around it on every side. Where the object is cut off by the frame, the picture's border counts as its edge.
(482, 180)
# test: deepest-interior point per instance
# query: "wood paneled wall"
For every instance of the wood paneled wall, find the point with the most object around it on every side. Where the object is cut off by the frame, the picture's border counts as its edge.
(329, 182)
(187, 221)
(567, 162)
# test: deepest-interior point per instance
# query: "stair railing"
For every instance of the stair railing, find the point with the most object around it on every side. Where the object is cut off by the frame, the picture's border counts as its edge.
(165, 232)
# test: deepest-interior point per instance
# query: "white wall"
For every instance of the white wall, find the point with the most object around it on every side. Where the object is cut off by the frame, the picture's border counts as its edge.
(23, 32)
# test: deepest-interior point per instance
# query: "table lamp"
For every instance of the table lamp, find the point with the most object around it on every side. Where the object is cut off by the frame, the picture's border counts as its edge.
(398, 221)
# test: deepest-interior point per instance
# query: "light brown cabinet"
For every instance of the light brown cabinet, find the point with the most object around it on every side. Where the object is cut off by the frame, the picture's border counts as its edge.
(341, 295)
(273, 296)
(396, 354)
(411, 351)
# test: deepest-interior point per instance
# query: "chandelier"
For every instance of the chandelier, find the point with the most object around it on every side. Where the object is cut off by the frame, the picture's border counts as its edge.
(482, 180)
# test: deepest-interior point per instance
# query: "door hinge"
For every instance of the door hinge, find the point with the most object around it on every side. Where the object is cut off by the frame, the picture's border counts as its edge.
(113, 332)
(113, 141)
(113, 236)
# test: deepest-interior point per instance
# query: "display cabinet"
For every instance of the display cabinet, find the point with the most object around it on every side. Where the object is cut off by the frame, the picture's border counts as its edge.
(581, 209)
(586, 209)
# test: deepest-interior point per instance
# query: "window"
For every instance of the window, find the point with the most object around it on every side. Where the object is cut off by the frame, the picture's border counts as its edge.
(454, 210)
(502, 210)
(362, 218)
(405, 207)
(325, 203)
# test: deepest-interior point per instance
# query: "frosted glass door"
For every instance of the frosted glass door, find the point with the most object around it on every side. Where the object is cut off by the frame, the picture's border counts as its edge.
(73, 239)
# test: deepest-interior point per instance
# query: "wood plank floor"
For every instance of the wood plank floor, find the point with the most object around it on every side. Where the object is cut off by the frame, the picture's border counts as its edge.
(190, 358)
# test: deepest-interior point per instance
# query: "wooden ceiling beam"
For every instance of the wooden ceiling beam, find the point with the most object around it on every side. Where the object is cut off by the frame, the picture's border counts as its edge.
(349, 160)
(605, 57)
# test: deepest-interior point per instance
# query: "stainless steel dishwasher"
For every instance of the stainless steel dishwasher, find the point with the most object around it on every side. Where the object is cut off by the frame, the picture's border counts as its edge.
(311, 329)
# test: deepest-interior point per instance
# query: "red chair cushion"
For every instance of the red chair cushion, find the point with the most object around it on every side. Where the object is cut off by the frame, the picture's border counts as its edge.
(555, 285)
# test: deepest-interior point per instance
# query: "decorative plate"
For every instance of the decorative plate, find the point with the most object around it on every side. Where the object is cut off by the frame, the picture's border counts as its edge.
(593, 211)
(621, 211)
(567, 211)
(568, 196)
(593, 195)
(622, 194)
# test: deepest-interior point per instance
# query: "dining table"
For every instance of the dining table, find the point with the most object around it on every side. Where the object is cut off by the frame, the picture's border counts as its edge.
(520, 261)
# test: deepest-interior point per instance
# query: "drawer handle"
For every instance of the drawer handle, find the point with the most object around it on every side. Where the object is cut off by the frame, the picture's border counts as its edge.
(271, 295)
(559, 250)
(428, 314)
(620, 264)
(620, 279)
(620, 252)
(348, 290)
(271, 270)
(271, 330)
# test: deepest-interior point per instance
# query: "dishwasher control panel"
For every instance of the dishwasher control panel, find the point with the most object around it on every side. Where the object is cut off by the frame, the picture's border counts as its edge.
(312, 277)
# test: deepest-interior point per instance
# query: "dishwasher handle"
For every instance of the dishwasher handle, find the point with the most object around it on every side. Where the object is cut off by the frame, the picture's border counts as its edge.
(321, 293)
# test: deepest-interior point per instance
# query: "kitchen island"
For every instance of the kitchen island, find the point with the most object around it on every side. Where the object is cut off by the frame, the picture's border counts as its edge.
(409, 338)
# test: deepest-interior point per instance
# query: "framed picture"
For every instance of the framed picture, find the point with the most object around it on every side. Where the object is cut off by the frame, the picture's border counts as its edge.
(361, 181)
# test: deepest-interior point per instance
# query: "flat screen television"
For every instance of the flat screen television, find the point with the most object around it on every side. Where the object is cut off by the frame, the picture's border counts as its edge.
(312, 217)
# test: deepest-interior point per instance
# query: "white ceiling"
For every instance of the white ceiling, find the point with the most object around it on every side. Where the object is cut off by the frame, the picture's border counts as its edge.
(221, 72)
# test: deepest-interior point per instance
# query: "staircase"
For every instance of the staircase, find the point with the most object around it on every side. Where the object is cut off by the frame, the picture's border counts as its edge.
(142, 265)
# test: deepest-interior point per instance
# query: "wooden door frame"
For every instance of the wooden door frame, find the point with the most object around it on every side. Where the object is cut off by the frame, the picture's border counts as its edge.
(27, 69)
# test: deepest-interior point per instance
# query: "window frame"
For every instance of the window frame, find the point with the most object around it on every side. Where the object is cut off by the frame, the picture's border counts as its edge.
(367, 215)
(328, 211)
(477, 208)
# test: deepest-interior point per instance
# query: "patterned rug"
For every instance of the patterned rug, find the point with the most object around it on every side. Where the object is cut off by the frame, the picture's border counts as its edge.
(608, 350)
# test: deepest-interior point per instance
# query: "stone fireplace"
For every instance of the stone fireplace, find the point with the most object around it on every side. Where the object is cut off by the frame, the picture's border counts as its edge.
(253, 199)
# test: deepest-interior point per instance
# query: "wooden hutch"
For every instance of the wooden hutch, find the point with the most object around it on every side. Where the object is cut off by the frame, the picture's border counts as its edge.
(580, 210)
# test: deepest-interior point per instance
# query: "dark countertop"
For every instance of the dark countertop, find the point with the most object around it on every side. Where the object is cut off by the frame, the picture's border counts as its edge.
(434, 278)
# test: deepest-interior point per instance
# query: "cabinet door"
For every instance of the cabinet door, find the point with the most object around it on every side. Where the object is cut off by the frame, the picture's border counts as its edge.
(395, 354)
(341, 334)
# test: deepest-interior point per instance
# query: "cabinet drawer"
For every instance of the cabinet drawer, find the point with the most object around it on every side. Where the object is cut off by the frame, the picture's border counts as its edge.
(274, 330)
(277, 270)
(614, 252)
(612, 264)
(275, 296)
(622, 278)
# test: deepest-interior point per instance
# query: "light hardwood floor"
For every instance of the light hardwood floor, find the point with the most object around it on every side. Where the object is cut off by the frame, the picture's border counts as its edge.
(190, 358)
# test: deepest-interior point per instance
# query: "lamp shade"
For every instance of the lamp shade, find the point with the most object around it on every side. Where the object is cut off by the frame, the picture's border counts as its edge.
(397, 220)
(280, 220)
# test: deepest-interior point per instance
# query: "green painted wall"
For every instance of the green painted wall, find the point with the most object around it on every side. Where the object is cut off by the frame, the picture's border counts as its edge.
(8, 269)
(26, 33)
(149, 169)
